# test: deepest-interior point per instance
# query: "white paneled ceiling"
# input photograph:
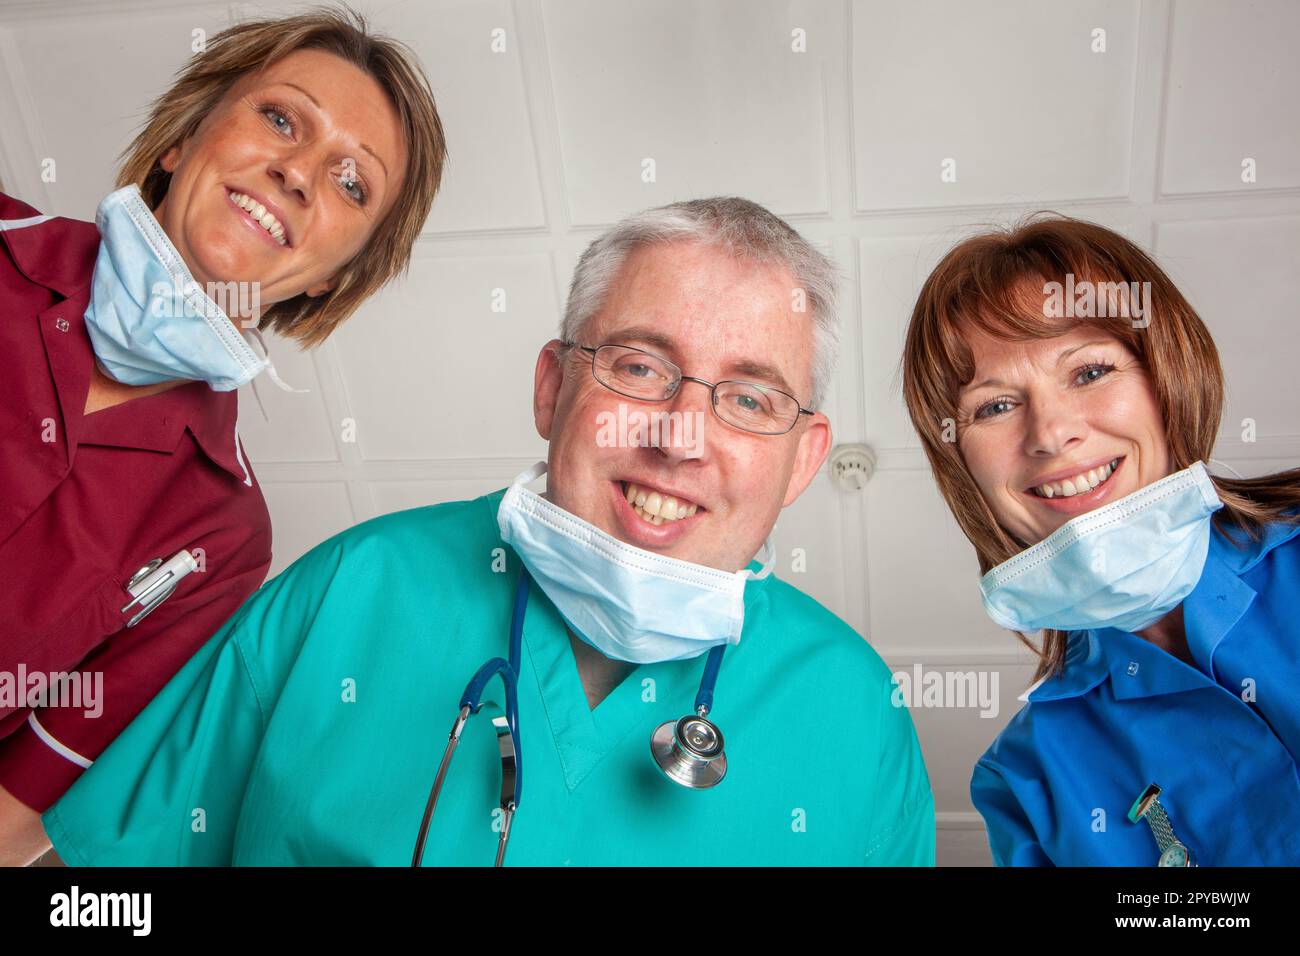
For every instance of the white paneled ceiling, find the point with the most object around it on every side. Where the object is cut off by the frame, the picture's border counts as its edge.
(492, 177)
(712, 93)
(1009, 93)
(1231, 87)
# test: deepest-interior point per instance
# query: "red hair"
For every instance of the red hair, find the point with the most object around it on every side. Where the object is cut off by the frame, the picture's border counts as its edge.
(994, 283)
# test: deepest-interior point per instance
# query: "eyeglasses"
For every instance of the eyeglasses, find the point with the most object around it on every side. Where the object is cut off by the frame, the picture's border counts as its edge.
(643, 375)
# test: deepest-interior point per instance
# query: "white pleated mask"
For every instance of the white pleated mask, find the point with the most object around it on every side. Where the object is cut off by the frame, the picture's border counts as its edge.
(629, 603)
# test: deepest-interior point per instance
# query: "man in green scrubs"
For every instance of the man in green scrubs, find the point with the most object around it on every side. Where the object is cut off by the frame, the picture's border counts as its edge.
(309, 728)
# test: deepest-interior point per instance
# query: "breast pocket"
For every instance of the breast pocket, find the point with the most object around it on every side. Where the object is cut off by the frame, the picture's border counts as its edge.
(153, 583)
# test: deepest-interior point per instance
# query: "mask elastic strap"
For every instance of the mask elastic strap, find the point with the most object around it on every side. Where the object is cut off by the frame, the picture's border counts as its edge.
(768, 560)
(270, 366)
(529, 475)
(260, 405)
(1222, 464)
(516, 490)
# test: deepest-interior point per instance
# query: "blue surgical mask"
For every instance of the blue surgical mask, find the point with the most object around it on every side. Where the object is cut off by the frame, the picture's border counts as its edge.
(148, 320)
(628, 603)
(1124, 565)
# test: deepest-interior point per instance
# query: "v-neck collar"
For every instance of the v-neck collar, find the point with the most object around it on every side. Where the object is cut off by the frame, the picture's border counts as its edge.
(583, 735)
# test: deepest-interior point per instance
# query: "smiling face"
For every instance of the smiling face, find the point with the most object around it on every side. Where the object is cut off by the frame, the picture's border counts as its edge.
(1043, 421)
(717, 318)
(286, 179)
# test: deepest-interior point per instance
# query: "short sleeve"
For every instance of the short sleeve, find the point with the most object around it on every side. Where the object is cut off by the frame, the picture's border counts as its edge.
(1011, 836)
(41, 760)
(168, 790)
(903, 833)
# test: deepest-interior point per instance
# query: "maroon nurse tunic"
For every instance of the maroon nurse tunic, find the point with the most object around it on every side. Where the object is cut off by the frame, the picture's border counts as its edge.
(87, 500)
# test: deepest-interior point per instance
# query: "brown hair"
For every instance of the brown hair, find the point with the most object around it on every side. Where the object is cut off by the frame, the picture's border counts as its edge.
(252, 45)
(993, 283)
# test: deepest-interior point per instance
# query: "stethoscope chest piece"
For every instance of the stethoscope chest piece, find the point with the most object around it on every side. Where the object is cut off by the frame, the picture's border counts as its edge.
(689, 751)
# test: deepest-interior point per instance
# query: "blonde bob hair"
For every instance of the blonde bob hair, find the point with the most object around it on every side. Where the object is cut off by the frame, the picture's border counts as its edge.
(993, 283)
(252, 45)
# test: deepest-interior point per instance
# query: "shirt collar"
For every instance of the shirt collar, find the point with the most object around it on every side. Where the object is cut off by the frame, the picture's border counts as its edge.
(1221, 597)
(213, 420)
(1084, 669)
(1239, 553)
(60, 254)
(211, 417)
(1136, 667)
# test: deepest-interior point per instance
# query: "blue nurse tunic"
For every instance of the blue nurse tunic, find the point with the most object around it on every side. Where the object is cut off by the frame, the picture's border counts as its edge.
(1220, 738)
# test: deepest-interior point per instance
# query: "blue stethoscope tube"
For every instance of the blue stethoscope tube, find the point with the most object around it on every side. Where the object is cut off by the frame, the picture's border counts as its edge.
(508, 728)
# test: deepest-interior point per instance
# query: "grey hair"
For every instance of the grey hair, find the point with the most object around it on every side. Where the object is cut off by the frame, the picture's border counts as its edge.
(743, 228)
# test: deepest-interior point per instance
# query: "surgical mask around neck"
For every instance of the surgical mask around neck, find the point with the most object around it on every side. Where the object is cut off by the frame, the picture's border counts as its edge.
(1125, 565)
(629, 603)
(149, 321)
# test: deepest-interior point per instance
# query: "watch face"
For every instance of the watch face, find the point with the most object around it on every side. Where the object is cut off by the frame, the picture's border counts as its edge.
(1175, 855)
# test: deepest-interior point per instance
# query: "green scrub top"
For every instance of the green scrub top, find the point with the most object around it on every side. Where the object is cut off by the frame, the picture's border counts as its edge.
(308, 730)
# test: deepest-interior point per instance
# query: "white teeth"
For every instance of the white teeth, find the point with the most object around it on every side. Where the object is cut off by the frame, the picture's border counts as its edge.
(656, 507)
(262, 215)
(1079, 484)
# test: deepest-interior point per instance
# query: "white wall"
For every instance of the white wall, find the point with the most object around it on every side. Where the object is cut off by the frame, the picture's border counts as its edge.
(845, 140)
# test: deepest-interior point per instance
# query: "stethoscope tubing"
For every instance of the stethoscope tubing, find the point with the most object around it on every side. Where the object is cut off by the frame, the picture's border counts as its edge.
(508, 670)
(470, 703)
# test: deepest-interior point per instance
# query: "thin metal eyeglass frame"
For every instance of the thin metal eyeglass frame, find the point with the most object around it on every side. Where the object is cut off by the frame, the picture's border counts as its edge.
(682, 377)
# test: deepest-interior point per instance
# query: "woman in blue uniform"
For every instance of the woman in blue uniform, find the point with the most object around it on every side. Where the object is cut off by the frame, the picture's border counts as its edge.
(1068, 398)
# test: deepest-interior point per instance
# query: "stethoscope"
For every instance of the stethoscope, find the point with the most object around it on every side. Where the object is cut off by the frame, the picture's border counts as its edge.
(688, 750)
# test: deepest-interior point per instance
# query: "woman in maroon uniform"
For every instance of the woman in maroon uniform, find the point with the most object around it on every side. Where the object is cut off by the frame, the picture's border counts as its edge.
(281, 181)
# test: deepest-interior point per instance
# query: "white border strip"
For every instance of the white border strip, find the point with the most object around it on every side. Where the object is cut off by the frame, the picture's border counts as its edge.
(9, 224)
(66, 753)
(239, 456)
